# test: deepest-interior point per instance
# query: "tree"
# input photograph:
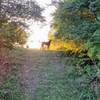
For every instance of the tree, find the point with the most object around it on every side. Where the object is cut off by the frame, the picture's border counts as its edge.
(12, 12)
(78, 20)
(12, 33)
(19, 8)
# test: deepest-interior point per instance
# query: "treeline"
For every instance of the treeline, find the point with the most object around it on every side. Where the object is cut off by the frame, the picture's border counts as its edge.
(12, 26)
(79, 21)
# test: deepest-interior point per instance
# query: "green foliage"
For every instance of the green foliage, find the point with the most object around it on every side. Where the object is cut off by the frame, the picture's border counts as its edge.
(12, 33)
(19, 9)
(11, 89)
(79, 20)
(73, 83)
(93, 45)
(11, 27)
(84, 74)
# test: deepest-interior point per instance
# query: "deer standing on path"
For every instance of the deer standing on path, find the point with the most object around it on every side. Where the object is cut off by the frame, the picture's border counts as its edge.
(46, 44)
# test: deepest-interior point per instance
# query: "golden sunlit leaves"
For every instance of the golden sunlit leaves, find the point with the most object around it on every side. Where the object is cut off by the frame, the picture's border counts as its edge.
(62, 45)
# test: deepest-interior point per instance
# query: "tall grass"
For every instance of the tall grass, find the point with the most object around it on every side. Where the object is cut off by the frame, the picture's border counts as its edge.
(11, 87)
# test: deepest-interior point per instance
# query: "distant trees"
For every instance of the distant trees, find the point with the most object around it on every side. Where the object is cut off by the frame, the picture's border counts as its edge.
(12, 12)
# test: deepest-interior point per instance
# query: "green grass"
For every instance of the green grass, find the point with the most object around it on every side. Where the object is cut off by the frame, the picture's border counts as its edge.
(69, 84)
(66, 85)
(56, 86)
(11, 87)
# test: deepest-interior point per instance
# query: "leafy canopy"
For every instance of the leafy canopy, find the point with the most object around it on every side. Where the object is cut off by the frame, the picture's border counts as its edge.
(79, 20)
(11, 27)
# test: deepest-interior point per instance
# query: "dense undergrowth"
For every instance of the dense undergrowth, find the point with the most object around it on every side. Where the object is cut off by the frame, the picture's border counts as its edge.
(10, 89)
(85, 73)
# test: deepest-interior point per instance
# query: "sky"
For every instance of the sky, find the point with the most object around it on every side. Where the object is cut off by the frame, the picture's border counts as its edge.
(38, 31)
(43, 2)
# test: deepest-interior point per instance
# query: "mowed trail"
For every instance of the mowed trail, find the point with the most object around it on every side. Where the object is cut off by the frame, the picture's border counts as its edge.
(35, 63)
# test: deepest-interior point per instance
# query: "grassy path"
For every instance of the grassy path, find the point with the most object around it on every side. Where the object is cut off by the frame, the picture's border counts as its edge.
(38, 67)
(41, 75)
